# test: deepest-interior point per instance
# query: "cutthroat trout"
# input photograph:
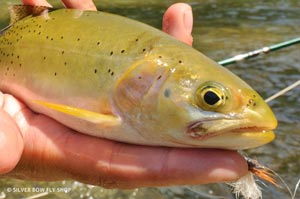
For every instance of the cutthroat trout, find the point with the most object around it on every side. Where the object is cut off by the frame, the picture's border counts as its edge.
(112, 77)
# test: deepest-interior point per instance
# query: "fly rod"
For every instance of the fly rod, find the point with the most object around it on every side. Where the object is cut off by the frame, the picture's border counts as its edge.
(254, 53)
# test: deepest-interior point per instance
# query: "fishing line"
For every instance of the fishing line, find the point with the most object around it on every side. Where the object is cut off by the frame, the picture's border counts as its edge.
(296, 188)
(283, 91)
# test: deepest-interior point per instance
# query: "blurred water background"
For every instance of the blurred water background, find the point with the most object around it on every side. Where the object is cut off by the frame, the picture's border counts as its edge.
(221, 29)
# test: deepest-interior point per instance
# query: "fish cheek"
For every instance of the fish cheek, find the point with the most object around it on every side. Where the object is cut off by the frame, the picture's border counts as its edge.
(132, 87)
(130, 90)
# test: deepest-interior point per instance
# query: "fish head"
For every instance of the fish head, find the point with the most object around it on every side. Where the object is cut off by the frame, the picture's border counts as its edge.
(194, 103)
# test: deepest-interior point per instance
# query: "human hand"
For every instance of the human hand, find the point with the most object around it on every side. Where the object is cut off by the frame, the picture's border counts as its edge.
(33, 146)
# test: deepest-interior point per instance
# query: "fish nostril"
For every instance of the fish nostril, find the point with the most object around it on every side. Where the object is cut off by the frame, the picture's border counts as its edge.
(251, 103)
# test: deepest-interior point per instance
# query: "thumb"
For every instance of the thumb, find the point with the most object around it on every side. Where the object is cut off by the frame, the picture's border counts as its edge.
(178, 22)
(11, 143)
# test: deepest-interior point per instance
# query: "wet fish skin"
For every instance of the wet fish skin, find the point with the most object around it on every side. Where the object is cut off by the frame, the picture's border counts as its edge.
(116, 78)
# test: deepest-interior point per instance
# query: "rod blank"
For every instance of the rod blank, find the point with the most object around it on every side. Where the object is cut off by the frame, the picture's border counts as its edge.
(254, 53)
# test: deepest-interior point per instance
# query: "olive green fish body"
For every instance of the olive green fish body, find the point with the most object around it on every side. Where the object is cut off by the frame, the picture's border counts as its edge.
(112, 77)
(71, 57)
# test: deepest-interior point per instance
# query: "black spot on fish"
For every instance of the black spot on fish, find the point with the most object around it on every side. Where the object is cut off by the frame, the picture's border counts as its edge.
(62, 37)
(167, 93)
(144, 49)
(180, 61)
(122, 51)
(111, 53)
(65, 63)
(95, 71)
(160, 57)
(110, 72)
(98, 43)
(62, 52)
(20, 65)
(140, 77)
(52, 39)
(78, 39)
(159, 77)
(137, 40)
(47, 37)
(44, 58)
(55, 74)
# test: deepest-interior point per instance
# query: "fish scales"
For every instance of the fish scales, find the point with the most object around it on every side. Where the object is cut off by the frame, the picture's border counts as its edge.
(112, 77)
(58, 51)
(64, 56)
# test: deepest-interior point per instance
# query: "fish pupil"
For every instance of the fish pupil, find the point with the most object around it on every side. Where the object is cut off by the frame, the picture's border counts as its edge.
(211, 98)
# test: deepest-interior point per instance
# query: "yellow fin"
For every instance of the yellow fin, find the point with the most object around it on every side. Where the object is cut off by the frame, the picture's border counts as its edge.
(90, 116)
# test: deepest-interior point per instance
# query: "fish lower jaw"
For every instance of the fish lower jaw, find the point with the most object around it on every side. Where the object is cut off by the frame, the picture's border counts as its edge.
(197, 131)
(253, 129)
(235, 139)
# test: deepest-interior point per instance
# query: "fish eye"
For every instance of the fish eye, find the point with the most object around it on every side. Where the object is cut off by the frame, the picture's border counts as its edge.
(211, 96)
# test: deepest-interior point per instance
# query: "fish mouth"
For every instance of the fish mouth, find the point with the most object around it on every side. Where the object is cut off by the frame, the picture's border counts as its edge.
(243, 137)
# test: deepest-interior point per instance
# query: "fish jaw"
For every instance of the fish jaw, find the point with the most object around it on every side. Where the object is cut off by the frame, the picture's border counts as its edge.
(235, 139)
(239, 140)
(248, 129)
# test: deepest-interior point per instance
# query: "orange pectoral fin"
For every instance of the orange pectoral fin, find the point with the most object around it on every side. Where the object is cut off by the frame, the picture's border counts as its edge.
(97, 118)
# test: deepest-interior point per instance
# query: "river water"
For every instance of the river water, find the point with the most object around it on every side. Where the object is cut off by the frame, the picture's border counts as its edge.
(221, 29)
